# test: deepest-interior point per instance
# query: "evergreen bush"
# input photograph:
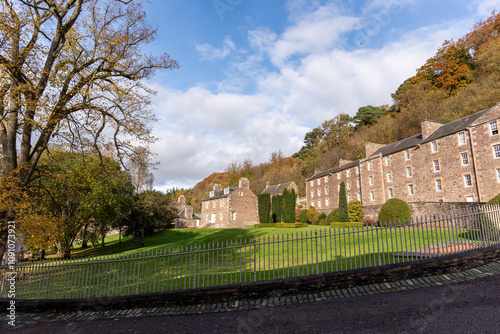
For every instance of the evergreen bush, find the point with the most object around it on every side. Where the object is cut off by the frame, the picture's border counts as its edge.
(277, 208)
(303, 217)
(333, 216)
(343, 208)
(322, 218)
(264, 201)
(356, 213)
(312, 215)
(394, 212)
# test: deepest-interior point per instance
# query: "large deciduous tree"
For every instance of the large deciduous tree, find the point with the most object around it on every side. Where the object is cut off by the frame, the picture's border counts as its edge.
(71, 73)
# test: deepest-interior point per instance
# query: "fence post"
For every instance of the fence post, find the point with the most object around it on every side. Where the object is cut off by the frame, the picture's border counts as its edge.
(316, 237)
(255, 260)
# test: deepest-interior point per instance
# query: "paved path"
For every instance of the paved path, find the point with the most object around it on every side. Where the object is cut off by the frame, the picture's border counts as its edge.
(414, 309)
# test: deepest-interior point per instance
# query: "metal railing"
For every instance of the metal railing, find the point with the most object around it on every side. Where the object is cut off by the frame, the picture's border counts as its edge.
(250, 260)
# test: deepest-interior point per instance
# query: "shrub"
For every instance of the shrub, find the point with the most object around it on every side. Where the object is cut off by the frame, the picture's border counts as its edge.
(369, 221)
(285, 225)
(356, 213)
(321, 218)
(277, 208)
(343, 210)
(264, 201)
(289, 199)
(333, 216)
(303, 217)
(394, 212)
(494, 200)
(344, 224)
(264, 225)
(312, 215)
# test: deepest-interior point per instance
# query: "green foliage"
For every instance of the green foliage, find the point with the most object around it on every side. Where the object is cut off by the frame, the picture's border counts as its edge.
(277, 208)
(333, 216)
(368, 115)
(289, 199)
(356, 213)
(495, 200)
(343, 208)
(294, 225)
(394, 212)
(264, 201)
(312, 215)
(264, 225)
(303, 216)
(322, 218)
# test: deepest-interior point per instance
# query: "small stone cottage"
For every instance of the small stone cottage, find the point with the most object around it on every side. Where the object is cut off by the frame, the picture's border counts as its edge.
(185, 218)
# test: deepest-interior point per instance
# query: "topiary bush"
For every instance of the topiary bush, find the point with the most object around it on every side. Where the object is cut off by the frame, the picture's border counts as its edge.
(303, 217)
(356, 213)
(333, 216)
(312, 215)
(394, 212)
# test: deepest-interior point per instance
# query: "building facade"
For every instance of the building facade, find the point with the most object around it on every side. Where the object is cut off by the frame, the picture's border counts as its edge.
(452, 162)
(185, 218)
(230, 207)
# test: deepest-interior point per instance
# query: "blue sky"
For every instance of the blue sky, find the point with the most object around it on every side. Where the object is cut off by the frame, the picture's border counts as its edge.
(256, 75)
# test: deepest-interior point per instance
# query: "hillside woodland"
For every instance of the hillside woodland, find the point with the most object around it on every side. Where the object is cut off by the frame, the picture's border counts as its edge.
(463, 77)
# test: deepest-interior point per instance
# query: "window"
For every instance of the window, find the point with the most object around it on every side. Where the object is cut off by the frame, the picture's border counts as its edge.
(312, 193)
(358, 182)
(220, 216)
(338, 176)
(370, 165)
(441, 200)
(348, 173)
(348, 185)
(241, 193)
(359, 196)
(493, 128)
(326, 179)
(498, 174)
(436, 165)
(407, 154)
(371, 180)
(357, 170)
(465, 159)
(319, 203)
(312, 203)
(326, 190)
(319, 192)
(410, 190)
(348, 198)
(389, 177)
(372, 195)
(434, 147)
(326, 202)
(496, 151)
(439, 186)
(387, 160)
(319, 181)
(467, 180)
(408, 172)
(461, 138)
(233, 215)
(391, 193)
(470, 199)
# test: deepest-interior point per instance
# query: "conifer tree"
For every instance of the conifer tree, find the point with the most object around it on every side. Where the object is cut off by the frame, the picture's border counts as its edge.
(264, 201)
(343, 208)
(277, 206)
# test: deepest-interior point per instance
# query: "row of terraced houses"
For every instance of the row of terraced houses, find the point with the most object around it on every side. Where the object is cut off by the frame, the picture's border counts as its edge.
(452, 162)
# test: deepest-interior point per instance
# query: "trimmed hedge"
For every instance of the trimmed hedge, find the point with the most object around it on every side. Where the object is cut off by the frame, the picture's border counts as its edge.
(344, 224)
(285, 225)
(265, 225)
(394, 212)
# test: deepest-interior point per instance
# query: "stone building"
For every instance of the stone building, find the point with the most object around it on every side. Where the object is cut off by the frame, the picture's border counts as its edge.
(452, 162)
(185, 218)
(277, 189)
(230, 207)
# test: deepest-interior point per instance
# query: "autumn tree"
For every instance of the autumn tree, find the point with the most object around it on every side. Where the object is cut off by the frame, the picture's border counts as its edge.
(72, 75)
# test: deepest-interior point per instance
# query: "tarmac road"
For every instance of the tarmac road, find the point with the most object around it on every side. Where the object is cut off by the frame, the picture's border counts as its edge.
(469, 307)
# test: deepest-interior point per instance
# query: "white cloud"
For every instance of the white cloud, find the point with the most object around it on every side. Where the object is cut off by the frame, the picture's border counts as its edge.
(208, 52)
(486, 7)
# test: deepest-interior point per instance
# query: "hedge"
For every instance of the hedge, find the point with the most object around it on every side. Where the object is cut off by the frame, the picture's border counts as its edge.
(285, 225)
(344, 224)
(265, 225)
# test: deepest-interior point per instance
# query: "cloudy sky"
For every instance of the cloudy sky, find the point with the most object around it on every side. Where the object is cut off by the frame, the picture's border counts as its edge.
(256, 75)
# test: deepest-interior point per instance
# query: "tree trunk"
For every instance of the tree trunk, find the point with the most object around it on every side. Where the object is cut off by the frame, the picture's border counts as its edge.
(67, 253)
(42, 254)
(84, 238)
(102, 239)
(3, 243)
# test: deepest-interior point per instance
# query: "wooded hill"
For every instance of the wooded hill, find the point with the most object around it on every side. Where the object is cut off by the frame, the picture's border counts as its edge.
(463, 77)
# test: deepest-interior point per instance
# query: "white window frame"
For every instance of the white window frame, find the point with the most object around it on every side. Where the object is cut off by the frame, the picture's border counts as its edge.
(326, 190)
(348, 173)
(411, 191)
(233, 215)
(461, 138)
(409, 173)
(464, 157)
(358, 170)
(359, 196)
(349, 198)
(358, 182)
(370, 165)
(326, 179)
(439, 185)
(493, 128)
(318, 181)
(372, 196)
(389, 177)
(338, 176)
(391, 193)
(387, 160)
(407, 154)
(496, 151)
(319, 191)
(434, 146)
(312, 193)
(469, 199)
(435, 164)
(327, 202)
(319, 203)
(348, 185)
(467, 180)
(498, 174)
(371, 180)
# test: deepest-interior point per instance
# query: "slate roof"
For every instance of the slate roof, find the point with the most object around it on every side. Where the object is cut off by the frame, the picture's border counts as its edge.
(399, 145)
(277, 189)
(334, 170)
(182, 214)
(220, 194)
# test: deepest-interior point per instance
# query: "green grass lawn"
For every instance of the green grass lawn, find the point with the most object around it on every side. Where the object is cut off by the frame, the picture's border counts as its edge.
(180, 259)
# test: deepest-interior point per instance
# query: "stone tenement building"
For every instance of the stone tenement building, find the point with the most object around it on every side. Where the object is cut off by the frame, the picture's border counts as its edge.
(277, 189)
(452, 162)
(185, 218)
(230, 207)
